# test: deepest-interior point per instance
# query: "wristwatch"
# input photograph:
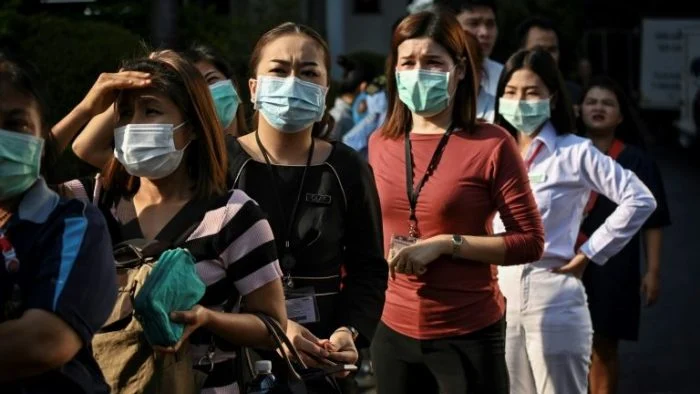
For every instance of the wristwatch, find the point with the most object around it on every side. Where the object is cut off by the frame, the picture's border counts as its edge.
(353, 332)
(457, 242)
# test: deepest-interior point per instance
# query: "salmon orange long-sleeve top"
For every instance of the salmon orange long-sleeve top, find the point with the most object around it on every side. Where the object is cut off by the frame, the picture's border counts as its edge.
(479, 173)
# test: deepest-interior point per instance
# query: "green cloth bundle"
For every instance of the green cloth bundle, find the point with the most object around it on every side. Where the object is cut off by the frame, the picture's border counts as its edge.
(173, 285)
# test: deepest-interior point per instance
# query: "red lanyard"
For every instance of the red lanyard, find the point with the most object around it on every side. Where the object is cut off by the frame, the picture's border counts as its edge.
(528, 162)
(8, 252)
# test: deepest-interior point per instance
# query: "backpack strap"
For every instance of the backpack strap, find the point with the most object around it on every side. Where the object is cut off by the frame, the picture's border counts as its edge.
(104, 201)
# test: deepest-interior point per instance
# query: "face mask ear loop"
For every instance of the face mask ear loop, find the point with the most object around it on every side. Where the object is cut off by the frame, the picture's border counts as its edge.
(178, 126)
(188, 142)
(451, 73)
(186, 145)
(254, 97)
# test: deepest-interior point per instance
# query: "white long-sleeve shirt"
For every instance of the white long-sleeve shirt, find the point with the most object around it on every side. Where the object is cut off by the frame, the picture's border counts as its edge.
(486, 100)
(491, 75)
(562, 175)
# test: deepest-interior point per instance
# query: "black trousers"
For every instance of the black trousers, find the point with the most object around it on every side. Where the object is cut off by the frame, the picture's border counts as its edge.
(474, 363)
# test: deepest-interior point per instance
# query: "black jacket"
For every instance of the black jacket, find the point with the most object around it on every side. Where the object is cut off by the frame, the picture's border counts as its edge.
(336, 237)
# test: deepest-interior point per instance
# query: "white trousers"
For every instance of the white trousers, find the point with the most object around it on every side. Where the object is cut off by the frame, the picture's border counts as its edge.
(549, 335)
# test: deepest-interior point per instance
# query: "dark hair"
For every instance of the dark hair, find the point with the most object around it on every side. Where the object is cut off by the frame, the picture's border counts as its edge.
(632, 128)
(443, 28)
(540, 22)
(203, 53)
(24, 77)
(322, 128)
(541, 63)
(469, 5)
(477, 53)
(198, 52)
(354, 74)
(206, 157)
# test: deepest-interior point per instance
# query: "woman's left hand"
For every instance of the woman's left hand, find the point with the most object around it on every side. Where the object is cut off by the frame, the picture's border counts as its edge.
(346, 352)
(650, 288)
(193, 319)
(576, 266)
(414, 259)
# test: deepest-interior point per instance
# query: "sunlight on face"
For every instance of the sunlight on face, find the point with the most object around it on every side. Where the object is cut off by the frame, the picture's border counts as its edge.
(481, 23)
(210, 73)
(426, 54)
(292, 55)
(525, 84)
(149, 106)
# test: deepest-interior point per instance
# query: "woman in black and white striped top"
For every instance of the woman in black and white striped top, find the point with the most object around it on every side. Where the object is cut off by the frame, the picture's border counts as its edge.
(169, 172)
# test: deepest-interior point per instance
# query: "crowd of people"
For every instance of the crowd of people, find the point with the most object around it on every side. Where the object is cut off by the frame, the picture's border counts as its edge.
(471, 226)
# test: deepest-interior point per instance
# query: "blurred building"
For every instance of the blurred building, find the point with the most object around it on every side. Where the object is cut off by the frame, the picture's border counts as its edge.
(361, 25)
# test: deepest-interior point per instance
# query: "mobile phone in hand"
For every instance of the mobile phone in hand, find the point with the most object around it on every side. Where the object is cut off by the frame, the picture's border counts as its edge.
(337, 368)
(322, 361)
(326, 370)
(330, 367)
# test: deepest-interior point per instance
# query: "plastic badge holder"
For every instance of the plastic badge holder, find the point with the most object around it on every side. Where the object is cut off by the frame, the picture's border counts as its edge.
(173, 285)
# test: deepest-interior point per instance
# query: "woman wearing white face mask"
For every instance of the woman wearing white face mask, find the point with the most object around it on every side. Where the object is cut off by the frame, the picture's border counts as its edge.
(167, 179)
(441, 177)
(320, 197)
(549, 334)
(96, 109)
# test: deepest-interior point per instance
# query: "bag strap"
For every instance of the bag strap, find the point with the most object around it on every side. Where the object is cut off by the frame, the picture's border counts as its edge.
(176, 232)
(183, 224)
(280, 338)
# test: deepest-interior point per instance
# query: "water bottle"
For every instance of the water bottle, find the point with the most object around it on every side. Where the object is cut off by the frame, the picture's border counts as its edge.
(264, 380)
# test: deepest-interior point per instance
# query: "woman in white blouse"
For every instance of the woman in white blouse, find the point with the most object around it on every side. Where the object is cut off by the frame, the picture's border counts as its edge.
(549, 332)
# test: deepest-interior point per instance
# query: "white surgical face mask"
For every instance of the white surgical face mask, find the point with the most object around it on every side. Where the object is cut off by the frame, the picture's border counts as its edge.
(290, 104)
(148, 150)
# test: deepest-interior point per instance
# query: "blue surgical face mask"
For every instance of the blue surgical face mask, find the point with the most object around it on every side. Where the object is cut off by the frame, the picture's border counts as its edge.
(20, 161)
(424, 92)
(226, 101)
(148, 150)
(525, 115)
(290, 105)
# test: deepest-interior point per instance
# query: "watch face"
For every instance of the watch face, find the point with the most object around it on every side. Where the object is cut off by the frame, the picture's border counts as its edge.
(457, 239)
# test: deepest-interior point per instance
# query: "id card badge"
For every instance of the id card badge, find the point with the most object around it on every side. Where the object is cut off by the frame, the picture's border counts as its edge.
(537, 178)
(301, 305)
(399, 242)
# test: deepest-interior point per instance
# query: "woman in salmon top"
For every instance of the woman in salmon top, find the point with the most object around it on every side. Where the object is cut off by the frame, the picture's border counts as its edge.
(443, 324)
